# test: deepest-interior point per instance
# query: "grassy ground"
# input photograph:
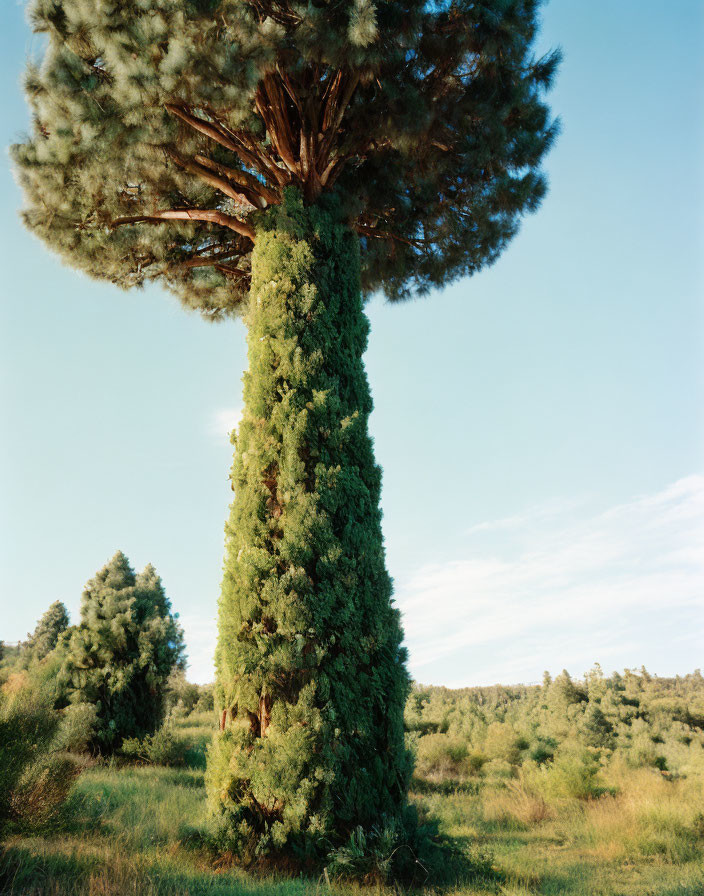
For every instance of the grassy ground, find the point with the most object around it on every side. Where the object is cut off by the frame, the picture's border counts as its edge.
(136, 830)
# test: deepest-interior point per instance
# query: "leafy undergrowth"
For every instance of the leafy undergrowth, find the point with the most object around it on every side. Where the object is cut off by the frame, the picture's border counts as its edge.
(139, 829)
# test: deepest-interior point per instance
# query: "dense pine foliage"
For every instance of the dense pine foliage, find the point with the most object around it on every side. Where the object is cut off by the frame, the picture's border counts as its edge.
(119, 657)
(311, 676)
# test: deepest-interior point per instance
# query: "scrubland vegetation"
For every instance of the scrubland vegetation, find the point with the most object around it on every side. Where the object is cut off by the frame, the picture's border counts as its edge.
(579, 788)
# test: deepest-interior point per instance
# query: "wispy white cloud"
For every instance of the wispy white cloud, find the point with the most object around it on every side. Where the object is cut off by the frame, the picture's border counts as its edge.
(517, 522)
(570, 592)
(223, 421)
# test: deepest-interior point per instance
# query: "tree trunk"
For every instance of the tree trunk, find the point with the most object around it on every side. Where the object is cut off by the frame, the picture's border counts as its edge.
(305, 614)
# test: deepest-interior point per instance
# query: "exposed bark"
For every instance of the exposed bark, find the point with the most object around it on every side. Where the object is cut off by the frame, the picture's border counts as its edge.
(211, 216)
(264, 714)
(257, 192)
(193, 167)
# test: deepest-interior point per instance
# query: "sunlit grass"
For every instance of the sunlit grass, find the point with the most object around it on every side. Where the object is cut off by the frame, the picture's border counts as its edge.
(138, 829)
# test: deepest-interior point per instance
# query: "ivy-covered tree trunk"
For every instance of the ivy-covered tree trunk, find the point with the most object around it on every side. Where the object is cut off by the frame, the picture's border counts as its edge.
(311, 677)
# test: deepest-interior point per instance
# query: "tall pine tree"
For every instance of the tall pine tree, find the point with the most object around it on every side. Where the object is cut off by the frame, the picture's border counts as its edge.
(281, 160)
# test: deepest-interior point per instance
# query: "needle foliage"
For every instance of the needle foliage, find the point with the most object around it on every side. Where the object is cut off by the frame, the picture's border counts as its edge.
(161, 128)
(45, 636)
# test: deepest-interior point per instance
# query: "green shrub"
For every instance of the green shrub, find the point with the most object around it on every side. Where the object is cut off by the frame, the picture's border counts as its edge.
(573, 774)
(120, 655)
(504, 742)
(77, 727)
(40, 794)
(499, 769)
(160, 748)
(397, 849)
(475, 762)
(542, 751)
(35, 778)
(440, 755)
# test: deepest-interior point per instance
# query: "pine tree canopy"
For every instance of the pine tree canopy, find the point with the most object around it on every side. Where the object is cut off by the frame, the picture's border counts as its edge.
(162, 130)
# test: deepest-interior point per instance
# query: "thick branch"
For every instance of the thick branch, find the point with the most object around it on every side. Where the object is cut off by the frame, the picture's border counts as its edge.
(262, 160)
(235, 272)
(271, 105)
(218, 182)
(206, 261)
(252, 155)
(257, 192)
(203, 127)
(334, 113)
(210, 216)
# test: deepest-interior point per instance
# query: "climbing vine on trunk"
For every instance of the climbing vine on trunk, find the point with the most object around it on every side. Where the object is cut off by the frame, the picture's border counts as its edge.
(311, 673)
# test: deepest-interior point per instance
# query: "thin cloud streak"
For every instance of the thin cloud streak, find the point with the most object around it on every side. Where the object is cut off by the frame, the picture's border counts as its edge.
(573, 581)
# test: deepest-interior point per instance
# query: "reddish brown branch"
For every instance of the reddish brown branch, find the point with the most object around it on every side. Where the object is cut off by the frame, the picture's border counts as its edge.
(203, 127)
(340, 95)
(271, 105)
(218, 182)
(251, 155)
(257, 192)
(237, 272)
(205, 261)
(210, 216)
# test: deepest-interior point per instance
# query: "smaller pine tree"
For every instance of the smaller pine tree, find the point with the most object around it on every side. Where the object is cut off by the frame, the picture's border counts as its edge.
(46, 635)
(121, 654)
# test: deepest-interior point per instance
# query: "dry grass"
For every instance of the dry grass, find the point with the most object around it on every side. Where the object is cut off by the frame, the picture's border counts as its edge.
(517, 802)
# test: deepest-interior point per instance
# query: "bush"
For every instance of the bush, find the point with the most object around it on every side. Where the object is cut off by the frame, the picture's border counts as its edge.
(442, 756)
(35, 778)
(160, 748)
(41, 792)
(573, 774)
(504, 742)
(206, 700)
(517, 801)
(398, 849)
(77, 727)
(120, 655)
(498, 769)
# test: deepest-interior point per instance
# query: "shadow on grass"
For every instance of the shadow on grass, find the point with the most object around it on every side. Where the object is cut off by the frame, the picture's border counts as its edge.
(43, 869)
(50, 867)
(459, 862)
(424, 787)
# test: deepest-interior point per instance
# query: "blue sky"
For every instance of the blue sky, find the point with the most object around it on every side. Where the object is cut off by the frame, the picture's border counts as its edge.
(540, 425)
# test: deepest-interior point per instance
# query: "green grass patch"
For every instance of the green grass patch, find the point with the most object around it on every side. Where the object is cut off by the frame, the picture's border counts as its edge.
(142, 829)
